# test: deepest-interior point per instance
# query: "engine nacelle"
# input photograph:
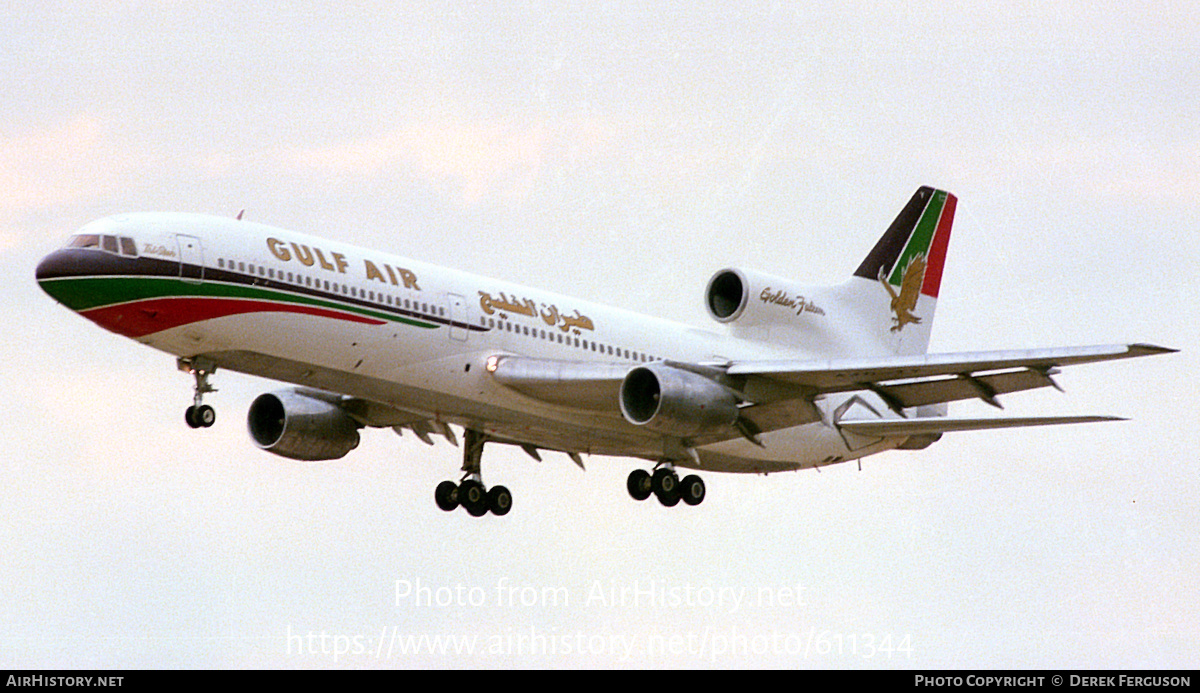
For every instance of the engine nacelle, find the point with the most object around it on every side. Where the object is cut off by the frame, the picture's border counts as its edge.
(676, 402)
(301, 427)
(747, 298)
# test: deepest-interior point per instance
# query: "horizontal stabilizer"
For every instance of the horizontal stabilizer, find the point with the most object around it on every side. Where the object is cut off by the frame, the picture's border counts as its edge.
(915, 427)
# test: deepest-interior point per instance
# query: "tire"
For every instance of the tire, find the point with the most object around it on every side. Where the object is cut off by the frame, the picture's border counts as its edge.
(446, 495)
(499, 500)
(190, 417)
(666, 486)
(473, 497)
(692, 490)
(205, 416)
(639, 484)
(664, 481)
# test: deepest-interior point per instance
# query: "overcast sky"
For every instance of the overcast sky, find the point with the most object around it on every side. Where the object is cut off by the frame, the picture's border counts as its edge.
(621, 153)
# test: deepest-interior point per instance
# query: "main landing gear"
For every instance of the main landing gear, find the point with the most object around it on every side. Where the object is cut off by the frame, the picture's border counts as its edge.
(665, 484)
(471, 494)
(199, 415)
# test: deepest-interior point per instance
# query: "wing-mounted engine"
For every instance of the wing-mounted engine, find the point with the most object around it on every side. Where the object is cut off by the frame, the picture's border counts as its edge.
(667, 398)
(676, 402)
(301, 426)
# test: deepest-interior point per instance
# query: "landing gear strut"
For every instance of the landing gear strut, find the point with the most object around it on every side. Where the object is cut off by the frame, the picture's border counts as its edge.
(199, 415)
(665, 484)
(471, 494)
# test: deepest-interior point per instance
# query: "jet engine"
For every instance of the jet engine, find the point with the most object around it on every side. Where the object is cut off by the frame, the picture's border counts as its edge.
(747, 298)
(676, 402)
(302, 427)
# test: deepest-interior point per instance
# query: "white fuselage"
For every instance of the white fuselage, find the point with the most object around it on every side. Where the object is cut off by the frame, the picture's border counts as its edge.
(417, 337)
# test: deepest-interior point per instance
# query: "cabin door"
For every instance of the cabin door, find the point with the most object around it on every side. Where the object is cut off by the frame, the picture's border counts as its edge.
(191, 259)
(458, 317)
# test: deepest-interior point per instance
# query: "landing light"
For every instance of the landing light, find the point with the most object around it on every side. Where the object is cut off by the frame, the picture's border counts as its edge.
(493, 362)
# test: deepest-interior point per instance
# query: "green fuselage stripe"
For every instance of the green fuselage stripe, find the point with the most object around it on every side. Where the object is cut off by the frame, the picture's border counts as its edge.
(85, 293)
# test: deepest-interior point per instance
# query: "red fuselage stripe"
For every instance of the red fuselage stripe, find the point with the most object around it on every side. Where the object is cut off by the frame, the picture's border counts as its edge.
(141, 318)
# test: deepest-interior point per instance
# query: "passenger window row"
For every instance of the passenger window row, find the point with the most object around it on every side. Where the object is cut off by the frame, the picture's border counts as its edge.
(382, 298)
(300, 279)
(566, 339)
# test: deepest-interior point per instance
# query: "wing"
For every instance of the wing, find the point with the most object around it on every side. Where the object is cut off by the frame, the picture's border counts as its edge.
(778, 394)
(914, 381)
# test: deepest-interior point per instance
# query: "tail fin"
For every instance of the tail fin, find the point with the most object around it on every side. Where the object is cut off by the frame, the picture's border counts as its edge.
(905, 267)
(886, 308)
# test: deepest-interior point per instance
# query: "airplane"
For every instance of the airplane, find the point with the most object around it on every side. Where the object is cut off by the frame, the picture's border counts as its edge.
(794, 377)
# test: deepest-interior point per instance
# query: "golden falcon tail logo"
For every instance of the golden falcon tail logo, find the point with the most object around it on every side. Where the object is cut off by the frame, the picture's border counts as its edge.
(905, 302)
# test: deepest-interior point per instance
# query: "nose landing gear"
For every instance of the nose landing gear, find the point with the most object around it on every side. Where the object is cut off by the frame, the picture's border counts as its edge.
(199, 415)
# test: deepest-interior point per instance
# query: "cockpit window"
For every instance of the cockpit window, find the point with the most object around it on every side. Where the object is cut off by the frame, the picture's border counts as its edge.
(117, 245)
(84, 241)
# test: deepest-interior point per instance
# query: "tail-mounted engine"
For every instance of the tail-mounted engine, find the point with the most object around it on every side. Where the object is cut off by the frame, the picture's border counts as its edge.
(771, 309)
(676, 402)
(301, 427)
(745, 298)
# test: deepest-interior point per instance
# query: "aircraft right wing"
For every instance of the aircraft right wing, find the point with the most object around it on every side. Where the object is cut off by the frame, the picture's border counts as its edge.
(772, 395)
(905, 382)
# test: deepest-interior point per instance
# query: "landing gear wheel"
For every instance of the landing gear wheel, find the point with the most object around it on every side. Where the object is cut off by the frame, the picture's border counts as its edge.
(692, 489)
(446, 495)
(473, 497)
(639, 484)
(499, 500)
(199, 415)
(666, 486)
(471, 494)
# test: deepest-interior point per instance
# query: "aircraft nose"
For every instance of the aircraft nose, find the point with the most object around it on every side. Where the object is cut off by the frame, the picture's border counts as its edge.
(52, 266)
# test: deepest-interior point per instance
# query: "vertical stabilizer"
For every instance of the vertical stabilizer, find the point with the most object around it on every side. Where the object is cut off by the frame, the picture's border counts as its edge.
(905, 271)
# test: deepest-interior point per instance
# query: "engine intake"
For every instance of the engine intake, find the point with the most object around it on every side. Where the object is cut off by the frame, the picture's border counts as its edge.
(301, 427)
(676, 402)
(746, 298)
(727, 295)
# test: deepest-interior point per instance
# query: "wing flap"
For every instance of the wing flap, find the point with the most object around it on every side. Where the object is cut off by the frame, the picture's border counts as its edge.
(936, 390)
